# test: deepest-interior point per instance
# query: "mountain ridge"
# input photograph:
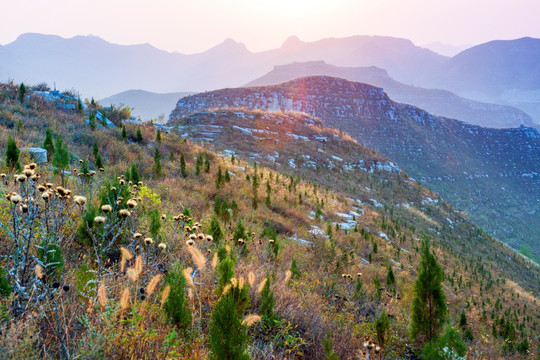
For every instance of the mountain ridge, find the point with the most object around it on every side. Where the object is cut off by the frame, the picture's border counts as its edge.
(459, 160)
(440, 102)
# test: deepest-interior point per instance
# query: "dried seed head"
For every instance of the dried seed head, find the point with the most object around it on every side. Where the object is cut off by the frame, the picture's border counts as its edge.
(124, 213)
(106, 208)
(214, 260)
(137, 235)
(100, 219)
(163, 217)
(162, 246)
(209, 238)
(79, 200)
(15, 199)
(148, 241)
(190, 242)
(131, 203)
(21, 178)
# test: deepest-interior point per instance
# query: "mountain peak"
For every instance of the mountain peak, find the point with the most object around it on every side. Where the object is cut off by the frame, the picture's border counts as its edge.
(292, 42)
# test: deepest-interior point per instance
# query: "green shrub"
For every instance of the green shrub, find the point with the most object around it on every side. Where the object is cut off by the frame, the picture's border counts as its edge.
(215, 229)
(228, 336)
(448, 346)
(267, 302)
(5, 288)
(176, 305)
(328, 345)
(382, 325)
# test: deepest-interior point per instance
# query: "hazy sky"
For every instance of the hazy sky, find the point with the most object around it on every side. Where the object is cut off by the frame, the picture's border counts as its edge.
(195, 25)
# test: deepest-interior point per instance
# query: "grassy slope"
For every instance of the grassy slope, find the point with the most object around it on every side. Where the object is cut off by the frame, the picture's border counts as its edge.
(479, 270)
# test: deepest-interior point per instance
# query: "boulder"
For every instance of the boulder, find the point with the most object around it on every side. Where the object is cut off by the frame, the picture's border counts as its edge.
(37, 154)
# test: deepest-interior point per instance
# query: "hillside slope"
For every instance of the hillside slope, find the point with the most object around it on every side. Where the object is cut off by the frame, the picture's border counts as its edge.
(490, 173)
(438, 102)
(343, 247)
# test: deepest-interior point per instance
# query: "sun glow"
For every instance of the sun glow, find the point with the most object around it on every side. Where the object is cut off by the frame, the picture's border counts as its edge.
(293, 7)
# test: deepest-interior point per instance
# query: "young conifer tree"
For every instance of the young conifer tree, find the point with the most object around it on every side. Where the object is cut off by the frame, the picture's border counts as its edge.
(428, 311)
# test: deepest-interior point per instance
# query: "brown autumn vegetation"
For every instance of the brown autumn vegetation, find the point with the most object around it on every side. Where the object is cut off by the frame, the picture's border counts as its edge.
(339, 288)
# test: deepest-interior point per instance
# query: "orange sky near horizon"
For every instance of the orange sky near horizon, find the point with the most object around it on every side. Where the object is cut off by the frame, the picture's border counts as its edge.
(196, 25)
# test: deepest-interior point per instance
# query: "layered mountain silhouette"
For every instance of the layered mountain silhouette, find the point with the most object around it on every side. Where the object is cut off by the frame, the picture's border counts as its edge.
(440, 102)
(99, 68)
(490, 173)
(502, 71)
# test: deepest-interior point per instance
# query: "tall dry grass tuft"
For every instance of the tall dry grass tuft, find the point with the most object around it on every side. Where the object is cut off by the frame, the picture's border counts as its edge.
(226, 288)
(214, 260)
(251, 278)
(198, 257)
(165, 295)
(251, 319)
(102, 295)
(132, 274)
(152, 284)
(288, 275)
(124, 299)
(261, 286)
(187, 274)
(126, 255)
(138, 264)
(241, 282)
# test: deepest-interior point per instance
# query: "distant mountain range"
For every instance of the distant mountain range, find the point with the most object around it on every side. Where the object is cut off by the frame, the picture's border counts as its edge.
(490, 173)
(145, 104)
(497, 71)
(100, 68)
(504, 72)
(440, 102)
(446, 49)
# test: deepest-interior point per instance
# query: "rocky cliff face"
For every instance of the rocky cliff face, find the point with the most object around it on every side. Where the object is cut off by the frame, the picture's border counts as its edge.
(491, 173)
